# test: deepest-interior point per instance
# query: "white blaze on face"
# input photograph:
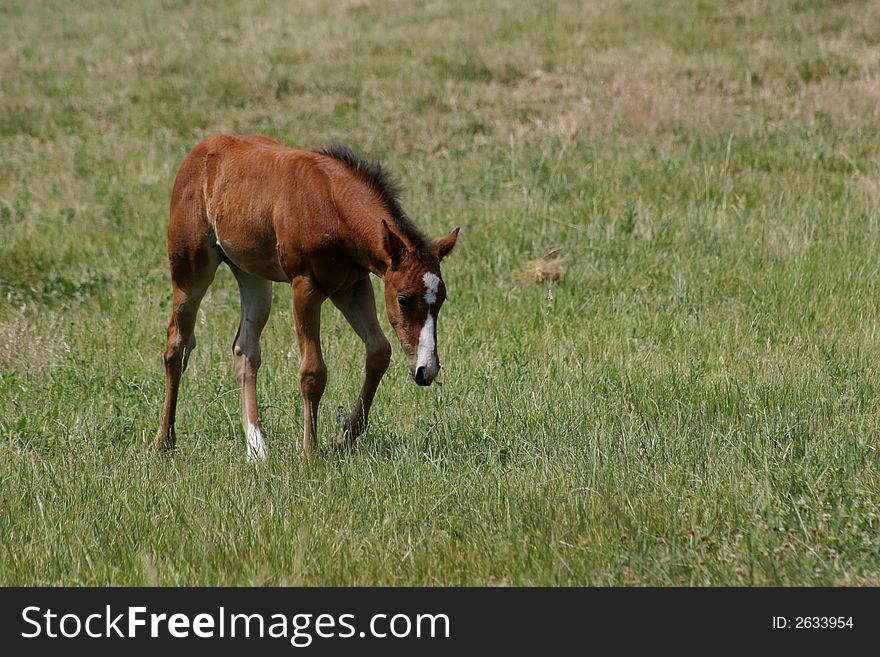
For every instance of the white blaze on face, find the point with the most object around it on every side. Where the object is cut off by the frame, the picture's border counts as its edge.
(432, 282)
(256, 445)
(426, 356)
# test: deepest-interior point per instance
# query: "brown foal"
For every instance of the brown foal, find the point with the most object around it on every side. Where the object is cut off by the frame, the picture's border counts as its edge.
(321, 220)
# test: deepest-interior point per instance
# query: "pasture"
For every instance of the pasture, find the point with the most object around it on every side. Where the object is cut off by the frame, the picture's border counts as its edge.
(695, 402)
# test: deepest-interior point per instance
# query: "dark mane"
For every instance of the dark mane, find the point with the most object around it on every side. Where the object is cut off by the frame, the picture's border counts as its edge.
(383, 183)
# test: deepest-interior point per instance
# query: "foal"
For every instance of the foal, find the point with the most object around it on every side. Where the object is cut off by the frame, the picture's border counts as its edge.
(321, 220)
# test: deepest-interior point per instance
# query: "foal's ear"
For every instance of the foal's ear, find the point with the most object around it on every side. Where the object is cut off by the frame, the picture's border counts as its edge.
(394, 246)
(445, 244)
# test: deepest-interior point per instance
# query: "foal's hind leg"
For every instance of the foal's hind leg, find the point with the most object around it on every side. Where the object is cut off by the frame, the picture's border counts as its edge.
(359, 307)
(256, 302)
(190, 278)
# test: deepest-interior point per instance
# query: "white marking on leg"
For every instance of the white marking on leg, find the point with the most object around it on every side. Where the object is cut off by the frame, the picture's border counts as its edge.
(426, 355)
(256, 445)
(432, 281)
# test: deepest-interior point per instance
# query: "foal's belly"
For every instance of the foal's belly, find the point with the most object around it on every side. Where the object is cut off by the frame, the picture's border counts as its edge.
(261, 267)
(253, 252)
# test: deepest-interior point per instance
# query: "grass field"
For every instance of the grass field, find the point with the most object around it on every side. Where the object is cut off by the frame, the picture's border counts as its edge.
(695, 403)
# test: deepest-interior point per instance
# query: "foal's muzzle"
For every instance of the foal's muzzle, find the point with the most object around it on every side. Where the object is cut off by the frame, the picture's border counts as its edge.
(424, 376)
(421, 377)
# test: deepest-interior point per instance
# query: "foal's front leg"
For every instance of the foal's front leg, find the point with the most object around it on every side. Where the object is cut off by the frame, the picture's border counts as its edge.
(307, 300)
(359, 307)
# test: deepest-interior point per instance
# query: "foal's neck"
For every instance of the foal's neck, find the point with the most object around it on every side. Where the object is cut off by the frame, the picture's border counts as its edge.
(371, 249)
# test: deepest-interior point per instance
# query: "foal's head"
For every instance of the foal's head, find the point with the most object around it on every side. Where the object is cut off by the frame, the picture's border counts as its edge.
(414, 293)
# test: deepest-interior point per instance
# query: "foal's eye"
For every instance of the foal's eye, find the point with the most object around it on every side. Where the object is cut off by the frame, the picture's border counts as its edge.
(405, 300)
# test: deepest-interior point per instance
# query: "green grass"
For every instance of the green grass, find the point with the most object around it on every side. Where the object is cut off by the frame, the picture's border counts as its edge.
(694, 404)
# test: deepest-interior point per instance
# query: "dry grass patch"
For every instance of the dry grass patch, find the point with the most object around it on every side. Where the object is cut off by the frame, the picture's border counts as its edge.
(549, 269)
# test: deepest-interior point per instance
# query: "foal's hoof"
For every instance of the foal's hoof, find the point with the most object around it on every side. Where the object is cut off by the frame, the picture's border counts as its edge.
(256, 445)
(165, 441)
(257, 456)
